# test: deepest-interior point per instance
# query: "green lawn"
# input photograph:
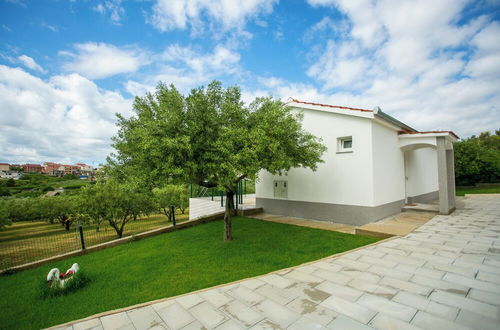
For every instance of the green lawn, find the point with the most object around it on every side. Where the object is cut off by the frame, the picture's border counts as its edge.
(167, 265)
(478, 190)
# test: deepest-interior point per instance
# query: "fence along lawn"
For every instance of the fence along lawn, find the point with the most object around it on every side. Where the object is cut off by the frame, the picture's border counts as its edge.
(29, 241)
(166, 265)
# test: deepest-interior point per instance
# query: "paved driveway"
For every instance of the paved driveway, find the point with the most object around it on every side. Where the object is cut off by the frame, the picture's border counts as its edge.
(445, 275)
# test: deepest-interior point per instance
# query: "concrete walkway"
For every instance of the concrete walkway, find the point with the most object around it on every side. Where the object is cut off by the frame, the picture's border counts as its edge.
(397, 225)
(445, 275)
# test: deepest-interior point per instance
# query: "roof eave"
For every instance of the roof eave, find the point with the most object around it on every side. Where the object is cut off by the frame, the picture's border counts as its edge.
(382, 115)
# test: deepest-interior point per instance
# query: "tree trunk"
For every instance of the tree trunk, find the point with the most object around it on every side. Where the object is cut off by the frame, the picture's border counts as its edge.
(228, 226)
(67, 224)
(167, 213)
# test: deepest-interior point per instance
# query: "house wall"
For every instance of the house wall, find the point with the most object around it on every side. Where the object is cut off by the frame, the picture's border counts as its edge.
(388, 166)
(343, 178)
(422, 183)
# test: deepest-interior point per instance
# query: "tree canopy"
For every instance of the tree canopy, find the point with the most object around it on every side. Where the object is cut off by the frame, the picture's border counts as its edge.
(210, 138)
(117, 203)
(477, 159)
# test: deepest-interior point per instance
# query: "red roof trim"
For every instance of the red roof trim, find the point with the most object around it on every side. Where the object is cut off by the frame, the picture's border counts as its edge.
(331, 106)
(430, 132)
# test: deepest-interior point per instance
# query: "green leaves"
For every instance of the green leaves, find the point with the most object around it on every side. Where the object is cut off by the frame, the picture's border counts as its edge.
(477, 159)
(210, 138)
(117, 203)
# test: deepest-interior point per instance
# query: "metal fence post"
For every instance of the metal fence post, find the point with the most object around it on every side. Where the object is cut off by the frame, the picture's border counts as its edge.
(236, 198)
(82, 240)
(172, 212)
(241, 192)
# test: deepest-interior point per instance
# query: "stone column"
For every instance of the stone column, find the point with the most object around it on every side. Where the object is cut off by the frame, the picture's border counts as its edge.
(446, 176)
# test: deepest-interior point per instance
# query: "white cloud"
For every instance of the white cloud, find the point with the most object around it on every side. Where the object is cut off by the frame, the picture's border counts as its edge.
(223, 14)
(186, 67)
(30, 63)
(65, 117)
(52, 28)
(486, 60)
(113, 8)
(100, 60)
(418, 60)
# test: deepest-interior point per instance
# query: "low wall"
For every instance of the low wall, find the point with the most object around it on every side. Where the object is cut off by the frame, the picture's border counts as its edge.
(201, 207)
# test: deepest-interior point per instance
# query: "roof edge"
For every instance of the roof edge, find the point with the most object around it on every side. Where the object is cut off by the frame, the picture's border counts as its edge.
(329, 105)
(382, 115)
(431, 132)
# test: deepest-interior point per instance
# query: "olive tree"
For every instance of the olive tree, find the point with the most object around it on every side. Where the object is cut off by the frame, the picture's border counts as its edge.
(211, 138)
(63, 209)
(166, 197)
(117, 203)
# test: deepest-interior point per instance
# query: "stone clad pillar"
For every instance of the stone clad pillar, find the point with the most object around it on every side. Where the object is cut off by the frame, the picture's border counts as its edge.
(446, 175)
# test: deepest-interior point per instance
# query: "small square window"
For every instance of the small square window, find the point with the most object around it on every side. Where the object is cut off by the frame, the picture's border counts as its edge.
(344, 144)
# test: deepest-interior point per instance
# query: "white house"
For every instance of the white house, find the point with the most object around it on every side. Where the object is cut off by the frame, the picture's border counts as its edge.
(373, 166)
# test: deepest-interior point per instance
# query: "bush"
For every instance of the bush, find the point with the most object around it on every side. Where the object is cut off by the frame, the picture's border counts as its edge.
(477, 159)
(4, 191)
(48, 188)
(73, 186)
(78, 281)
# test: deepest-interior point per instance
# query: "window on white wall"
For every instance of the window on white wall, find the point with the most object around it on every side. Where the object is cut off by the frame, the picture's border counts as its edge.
(344, 144)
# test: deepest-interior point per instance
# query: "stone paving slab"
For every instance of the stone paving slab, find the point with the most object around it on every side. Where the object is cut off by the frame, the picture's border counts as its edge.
(444, 275)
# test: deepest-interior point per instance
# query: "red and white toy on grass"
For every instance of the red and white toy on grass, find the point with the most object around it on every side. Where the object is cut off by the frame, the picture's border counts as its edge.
(57, 279)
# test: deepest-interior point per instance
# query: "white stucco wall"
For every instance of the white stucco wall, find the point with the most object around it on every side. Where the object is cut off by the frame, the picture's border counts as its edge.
(388, 165)
(344, 178)
(421, 171)
(200, 207)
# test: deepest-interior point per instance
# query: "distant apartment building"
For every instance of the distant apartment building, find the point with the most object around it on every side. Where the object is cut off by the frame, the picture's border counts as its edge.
(86, 170)
(49, 168)
(32, 168)
(55, 169)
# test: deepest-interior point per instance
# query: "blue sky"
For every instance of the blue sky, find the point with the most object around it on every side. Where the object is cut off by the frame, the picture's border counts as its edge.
(66, 67)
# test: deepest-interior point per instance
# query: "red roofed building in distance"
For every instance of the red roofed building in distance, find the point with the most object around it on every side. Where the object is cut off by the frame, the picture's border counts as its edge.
(32, 168)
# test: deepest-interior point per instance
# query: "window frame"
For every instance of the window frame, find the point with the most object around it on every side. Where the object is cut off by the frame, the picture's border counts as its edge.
(340, 144)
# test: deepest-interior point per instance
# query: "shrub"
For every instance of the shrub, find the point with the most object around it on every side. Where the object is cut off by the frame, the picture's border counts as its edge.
(47, 188)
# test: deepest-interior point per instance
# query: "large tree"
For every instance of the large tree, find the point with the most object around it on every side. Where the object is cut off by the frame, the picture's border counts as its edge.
(211, 138)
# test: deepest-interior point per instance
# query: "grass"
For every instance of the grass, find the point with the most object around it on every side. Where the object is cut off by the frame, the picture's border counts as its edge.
(478, 190)
(27, 241)
(167, 265)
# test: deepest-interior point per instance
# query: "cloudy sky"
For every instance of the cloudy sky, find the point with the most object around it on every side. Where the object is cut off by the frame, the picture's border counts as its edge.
(66, 67)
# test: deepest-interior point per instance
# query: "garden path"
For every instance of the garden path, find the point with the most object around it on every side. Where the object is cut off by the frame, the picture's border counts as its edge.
(444, 275)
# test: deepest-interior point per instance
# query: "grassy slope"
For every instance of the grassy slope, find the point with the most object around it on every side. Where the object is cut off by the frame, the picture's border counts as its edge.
(478, 190)
(167, 265)
(28, 241)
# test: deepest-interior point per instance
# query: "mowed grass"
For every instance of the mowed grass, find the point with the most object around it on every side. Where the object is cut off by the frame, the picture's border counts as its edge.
(167, 265)
(478, 190)
(27, 241)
